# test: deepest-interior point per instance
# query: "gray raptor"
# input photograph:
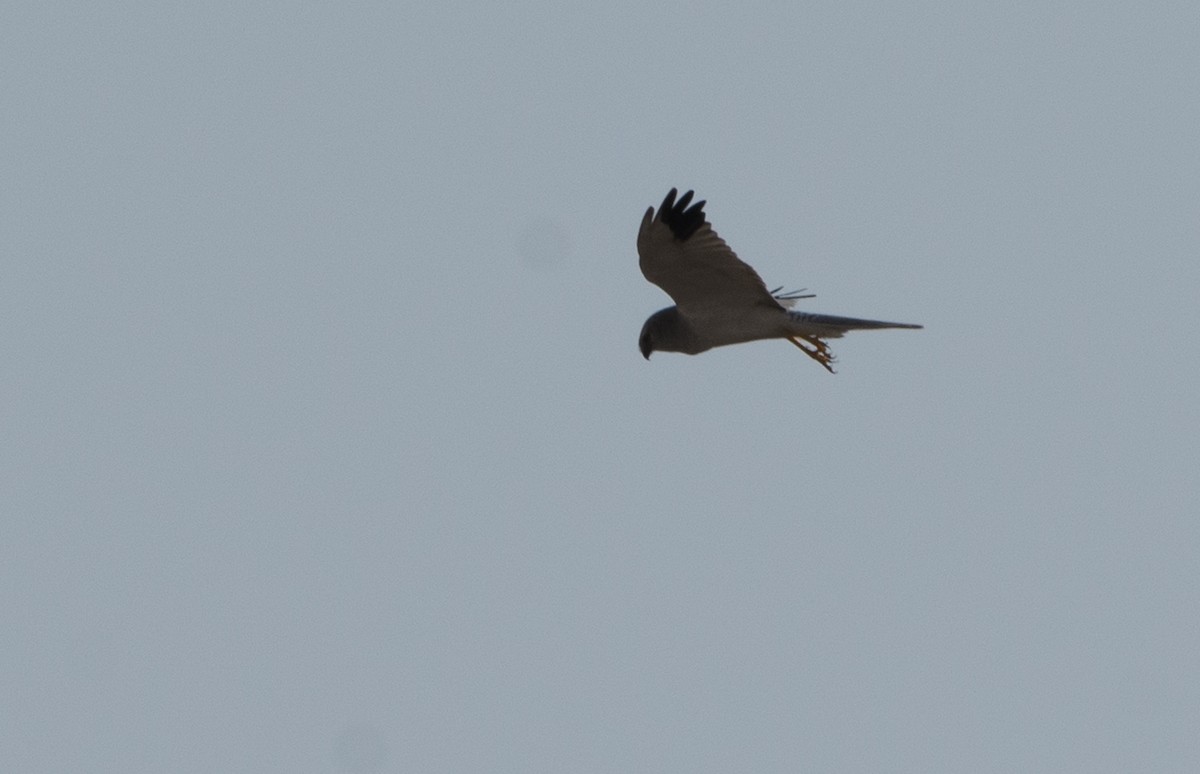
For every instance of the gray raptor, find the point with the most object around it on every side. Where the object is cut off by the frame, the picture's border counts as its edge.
(719, 299)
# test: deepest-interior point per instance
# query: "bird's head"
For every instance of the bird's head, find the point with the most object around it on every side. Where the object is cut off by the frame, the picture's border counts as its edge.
(664, 331)
(646, 341)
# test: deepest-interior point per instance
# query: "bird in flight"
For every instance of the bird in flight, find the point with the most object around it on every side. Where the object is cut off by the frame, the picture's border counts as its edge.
(720, 300)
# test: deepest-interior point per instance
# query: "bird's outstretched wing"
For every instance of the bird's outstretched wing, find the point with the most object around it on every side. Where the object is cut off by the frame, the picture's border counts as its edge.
(679, 251)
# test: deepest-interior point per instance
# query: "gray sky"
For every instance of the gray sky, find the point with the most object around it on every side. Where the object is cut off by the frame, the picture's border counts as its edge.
(328, 447)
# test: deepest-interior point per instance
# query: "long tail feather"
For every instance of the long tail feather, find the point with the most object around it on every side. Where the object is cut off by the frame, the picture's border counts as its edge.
(833, 325)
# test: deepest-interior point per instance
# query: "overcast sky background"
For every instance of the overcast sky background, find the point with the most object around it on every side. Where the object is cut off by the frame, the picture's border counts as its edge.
(327, 445)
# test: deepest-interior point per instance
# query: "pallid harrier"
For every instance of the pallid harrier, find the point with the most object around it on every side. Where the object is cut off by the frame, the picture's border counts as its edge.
(719, 299)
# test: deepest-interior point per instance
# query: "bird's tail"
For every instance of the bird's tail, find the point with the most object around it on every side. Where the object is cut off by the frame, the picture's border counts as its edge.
(808, 331)
(832, 326)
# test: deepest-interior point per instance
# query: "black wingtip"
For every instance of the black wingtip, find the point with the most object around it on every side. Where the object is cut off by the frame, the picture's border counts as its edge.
(668, 201)
(679, 217)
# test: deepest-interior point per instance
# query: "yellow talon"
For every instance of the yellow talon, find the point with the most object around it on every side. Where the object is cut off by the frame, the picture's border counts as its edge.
(820, 351)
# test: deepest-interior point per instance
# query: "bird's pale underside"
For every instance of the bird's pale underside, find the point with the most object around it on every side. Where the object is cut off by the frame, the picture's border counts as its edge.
(719, 299)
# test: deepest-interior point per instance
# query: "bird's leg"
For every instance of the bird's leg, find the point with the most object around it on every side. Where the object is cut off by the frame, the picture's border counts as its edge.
(820, 351)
